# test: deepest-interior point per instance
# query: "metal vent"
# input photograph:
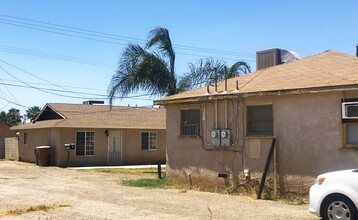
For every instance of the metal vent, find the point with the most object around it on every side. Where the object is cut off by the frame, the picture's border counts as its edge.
(273, 57)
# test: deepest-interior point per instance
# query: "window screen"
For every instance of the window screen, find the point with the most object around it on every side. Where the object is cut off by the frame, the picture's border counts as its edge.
(259, 120)
(84, 143)
(149, 141)
(190, 122)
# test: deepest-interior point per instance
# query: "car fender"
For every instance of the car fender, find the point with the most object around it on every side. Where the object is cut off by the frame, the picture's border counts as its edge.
(341, 189)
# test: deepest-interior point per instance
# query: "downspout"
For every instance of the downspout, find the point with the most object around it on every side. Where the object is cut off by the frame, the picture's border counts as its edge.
(202, 124)
(216, 114)
(243, 132)
(226, 113)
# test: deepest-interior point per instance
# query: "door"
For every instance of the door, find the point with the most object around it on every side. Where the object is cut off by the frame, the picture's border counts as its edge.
(115, 148)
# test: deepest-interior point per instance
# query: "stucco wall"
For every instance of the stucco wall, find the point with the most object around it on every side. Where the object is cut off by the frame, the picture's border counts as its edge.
(5, 130)
(57, 137)
(36, 137)
(308, 128)
(132, 149)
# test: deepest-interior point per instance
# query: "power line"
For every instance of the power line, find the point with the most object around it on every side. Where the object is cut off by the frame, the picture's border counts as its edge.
(28, 74)
(85, 36)
(115, 36)
(54, 56)
(98, 40)
(84, 93)
(18, 104)
(50, 91)
(9, 91)
(37, 83)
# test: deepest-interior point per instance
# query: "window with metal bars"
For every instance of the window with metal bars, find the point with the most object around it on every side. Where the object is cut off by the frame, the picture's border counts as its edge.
(190, 123)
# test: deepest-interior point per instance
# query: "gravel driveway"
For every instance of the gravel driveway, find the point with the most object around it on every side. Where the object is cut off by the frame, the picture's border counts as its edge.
(100, 196)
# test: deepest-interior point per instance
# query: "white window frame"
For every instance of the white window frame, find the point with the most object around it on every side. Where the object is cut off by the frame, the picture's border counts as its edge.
(156, 140)
(344, 109)
(94, 144)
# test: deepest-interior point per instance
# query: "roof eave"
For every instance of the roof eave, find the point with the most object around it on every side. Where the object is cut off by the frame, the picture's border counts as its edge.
(258, 93)
(90, 127)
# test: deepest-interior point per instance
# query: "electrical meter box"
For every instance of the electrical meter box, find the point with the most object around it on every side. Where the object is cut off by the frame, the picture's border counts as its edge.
(226, 138)
(215, 137)
(67, 147)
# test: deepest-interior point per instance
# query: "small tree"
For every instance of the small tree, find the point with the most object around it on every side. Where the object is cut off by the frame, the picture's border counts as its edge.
(14, 116)
(4, 117)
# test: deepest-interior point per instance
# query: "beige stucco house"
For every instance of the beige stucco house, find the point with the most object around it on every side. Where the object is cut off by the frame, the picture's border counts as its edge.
(102, 136)
(310, 105)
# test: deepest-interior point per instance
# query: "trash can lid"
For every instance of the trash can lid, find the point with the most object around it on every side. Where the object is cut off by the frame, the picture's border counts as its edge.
(43, 147)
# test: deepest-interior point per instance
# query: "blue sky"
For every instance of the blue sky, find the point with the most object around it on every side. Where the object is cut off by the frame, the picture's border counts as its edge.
(242, 27)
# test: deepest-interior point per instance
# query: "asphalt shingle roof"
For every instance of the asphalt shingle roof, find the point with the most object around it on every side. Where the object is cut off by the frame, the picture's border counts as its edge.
(100, 116)
(325, 69)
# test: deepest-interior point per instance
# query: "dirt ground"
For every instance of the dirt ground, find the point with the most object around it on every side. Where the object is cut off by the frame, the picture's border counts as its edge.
(100, 196)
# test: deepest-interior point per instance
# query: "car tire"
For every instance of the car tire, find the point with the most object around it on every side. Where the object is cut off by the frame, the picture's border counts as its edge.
(340, 206)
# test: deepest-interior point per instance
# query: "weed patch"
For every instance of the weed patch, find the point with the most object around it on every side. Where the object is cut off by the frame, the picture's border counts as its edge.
(146, 183)
(37, 208)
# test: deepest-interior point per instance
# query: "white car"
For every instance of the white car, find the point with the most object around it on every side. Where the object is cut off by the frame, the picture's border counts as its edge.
(335, 195)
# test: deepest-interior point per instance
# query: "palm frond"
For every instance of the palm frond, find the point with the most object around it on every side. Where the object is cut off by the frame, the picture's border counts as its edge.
(238, 69)
(202, 73)
(160, 37)
(139, 70)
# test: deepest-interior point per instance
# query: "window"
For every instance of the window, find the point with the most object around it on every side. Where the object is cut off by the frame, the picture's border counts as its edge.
(84, 143)
(351, 134)
(259, 120)
(190, 122)
(149, 141)
(350, 122)
(26, 138)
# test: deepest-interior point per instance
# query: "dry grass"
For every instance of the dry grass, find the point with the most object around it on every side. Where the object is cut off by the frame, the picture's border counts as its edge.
(150, 172)
(37, 208)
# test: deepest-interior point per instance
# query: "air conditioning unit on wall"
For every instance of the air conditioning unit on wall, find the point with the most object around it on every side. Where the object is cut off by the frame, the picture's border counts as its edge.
(350, 110)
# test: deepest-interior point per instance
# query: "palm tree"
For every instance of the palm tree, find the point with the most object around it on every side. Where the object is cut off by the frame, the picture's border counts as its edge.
(32, 112)
(210, 70)
(143, 70)
(15, 116)
(154, 71)
(4, 117)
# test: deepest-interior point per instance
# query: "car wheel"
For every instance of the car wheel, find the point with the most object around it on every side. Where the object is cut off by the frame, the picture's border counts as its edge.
(339, 207)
